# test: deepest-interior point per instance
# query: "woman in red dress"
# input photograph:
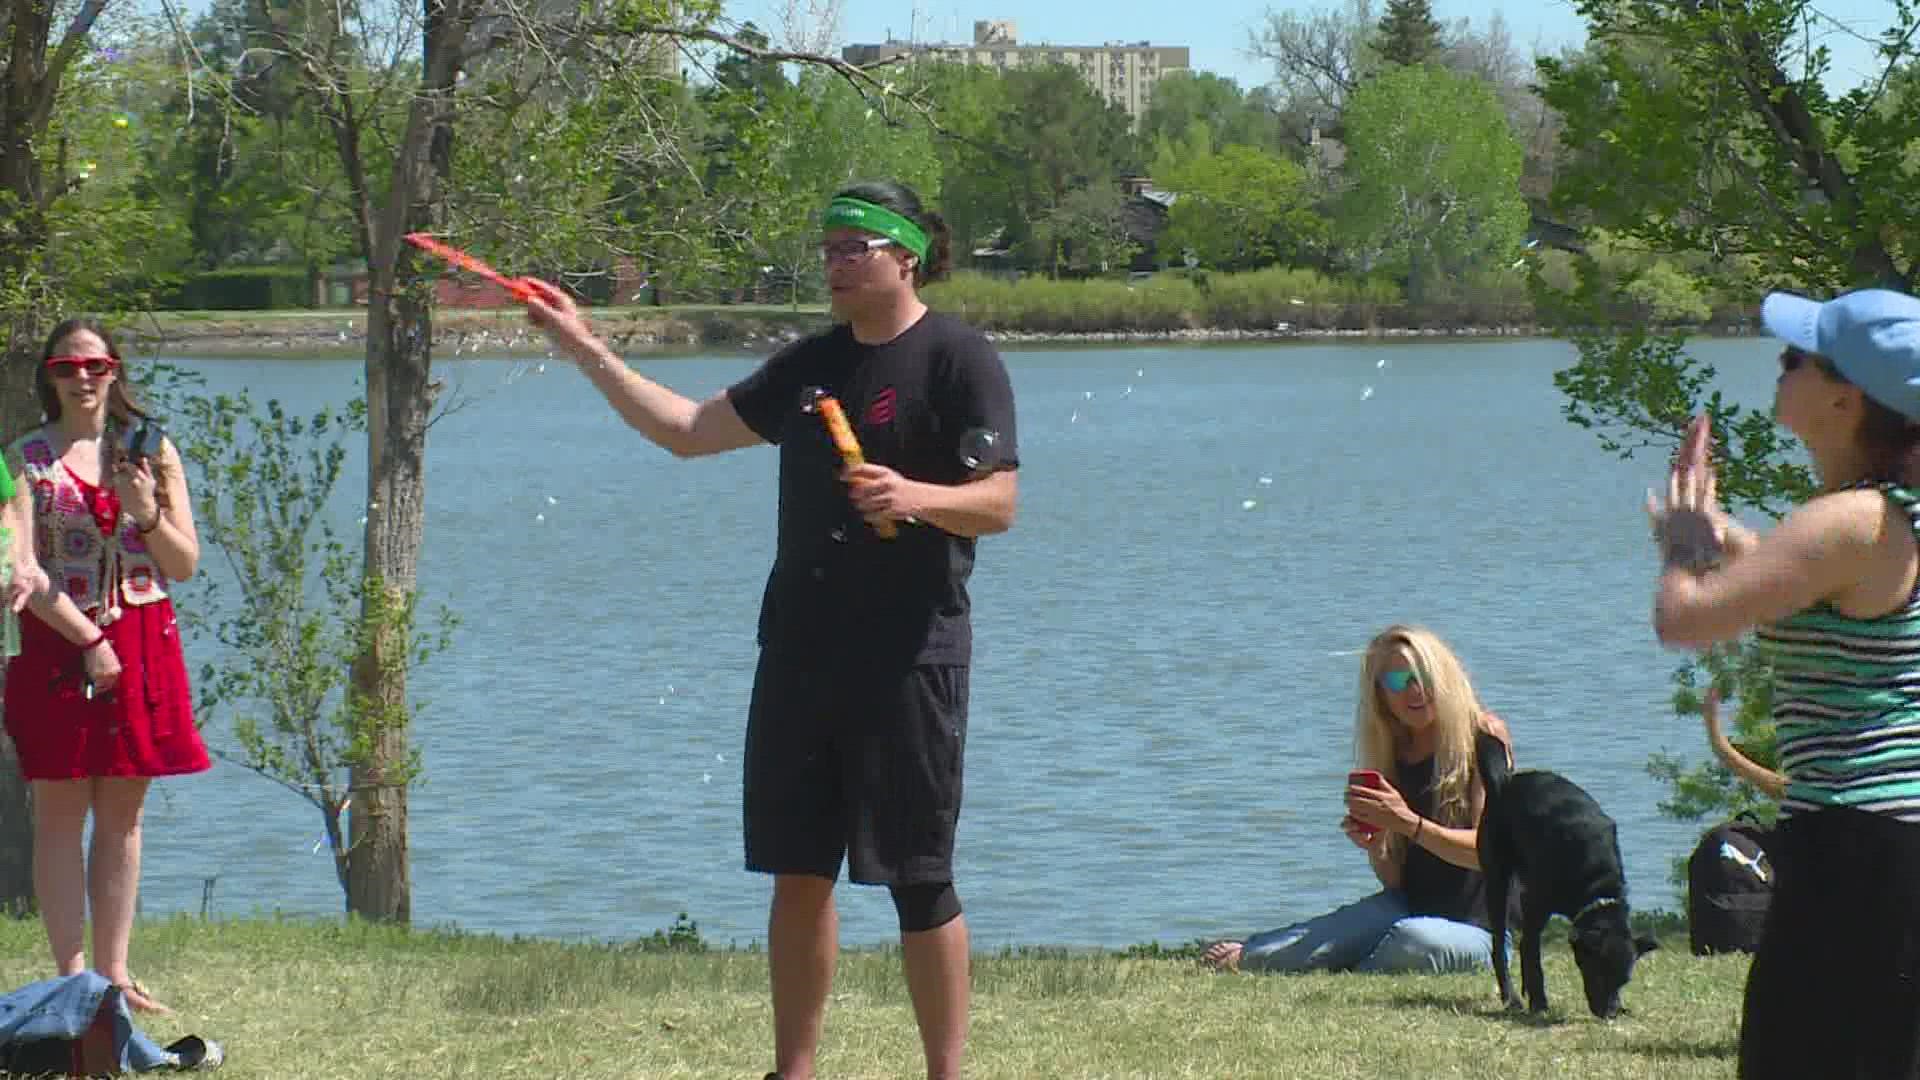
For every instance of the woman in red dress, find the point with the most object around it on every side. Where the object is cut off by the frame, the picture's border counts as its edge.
(97, 702)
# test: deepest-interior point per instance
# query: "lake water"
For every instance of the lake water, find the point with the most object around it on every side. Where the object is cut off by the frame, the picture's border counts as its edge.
(1166, 643)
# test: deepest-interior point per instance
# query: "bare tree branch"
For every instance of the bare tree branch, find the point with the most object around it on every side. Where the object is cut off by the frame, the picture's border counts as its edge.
(70, 45)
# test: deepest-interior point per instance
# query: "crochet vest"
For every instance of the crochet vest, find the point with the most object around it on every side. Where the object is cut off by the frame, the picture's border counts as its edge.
(99, 573)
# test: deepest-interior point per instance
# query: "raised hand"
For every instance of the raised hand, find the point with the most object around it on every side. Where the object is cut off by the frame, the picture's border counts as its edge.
(1688, 523)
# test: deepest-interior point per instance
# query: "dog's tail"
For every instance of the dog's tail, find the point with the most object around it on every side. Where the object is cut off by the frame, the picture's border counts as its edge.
(1490, 754)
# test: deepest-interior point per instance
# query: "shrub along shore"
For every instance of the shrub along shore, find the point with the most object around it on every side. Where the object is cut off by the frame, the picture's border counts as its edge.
(1265, 305)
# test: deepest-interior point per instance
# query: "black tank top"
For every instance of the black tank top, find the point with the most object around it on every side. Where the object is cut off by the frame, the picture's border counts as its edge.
(1434, 886)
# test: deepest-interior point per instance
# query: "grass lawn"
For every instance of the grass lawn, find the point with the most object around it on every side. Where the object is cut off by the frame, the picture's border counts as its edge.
(324, 1001)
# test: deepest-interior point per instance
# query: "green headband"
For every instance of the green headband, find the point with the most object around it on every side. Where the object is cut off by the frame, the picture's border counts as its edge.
(844, 213)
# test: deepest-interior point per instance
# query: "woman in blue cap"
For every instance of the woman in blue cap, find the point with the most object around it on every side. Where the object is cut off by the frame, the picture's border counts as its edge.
(1834, 595)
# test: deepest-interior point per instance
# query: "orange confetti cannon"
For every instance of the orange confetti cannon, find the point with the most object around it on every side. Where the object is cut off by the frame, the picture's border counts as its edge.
(841, 432)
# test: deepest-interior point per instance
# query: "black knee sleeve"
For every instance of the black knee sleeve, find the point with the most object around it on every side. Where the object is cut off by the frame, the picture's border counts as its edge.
(925, 907)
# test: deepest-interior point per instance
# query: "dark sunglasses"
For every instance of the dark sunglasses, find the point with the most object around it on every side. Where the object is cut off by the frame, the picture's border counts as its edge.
(1397, 680)
(1793, 356)
(68, 367)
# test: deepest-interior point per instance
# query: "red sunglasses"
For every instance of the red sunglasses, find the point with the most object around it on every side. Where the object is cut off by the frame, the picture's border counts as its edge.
(68, 367)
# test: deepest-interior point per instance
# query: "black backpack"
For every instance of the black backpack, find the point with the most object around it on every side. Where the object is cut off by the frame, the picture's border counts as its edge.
(1729, 884)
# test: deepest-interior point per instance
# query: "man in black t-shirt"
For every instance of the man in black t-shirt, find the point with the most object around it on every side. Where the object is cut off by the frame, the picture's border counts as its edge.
(857, 727)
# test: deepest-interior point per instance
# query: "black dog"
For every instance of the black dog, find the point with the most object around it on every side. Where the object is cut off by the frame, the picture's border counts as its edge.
(1542, 829)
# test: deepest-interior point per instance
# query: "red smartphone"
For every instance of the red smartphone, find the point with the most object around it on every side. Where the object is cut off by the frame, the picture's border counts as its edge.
(1366, 778)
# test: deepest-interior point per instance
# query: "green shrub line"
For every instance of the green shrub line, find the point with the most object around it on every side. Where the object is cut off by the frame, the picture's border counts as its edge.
(1276, 300)
(245, 288)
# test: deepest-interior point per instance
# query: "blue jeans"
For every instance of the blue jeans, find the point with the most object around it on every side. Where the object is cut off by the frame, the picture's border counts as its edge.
(64, 1007)
(1375, 934)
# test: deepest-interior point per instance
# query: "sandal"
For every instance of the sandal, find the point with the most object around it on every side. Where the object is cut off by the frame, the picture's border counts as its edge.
(131, 989)
(196, 1054)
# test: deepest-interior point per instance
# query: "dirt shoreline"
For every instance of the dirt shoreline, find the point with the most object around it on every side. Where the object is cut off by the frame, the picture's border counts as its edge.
(506, 333)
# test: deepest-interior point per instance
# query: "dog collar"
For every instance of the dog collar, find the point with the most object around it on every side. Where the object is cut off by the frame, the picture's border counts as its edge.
(1595, 905)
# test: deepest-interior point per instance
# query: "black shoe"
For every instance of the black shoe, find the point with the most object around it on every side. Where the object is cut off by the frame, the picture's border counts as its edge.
(772, 1076)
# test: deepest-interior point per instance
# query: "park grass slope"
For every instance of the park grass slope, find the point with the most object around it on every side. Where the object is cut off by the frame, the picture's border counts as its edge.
(325, 1001)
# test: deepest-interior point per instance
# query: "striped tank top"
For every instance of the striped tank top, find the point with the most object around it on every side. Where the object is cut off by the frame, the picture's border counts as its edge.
(1846, 702)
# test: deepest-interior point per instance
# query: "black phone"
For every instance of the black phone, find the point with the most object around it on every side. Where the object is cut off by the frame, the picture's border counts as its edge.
(142, 440)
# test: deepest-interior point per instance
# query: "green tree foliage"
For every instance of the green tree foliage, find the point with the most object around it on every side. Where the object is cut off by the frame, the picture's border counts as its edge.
(1086, 233)
(1229, 115)
(1710, 133)
(250, 175)
(284, 600)
(1408, 33)
(1712, 129)
(1239, 209)
(1016, 144)
(786, 149)
(1432, 177)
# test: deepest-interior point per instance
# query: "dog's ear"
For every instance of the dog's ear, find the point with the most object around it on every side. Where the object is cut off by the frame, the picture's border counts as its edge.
(1644, 944)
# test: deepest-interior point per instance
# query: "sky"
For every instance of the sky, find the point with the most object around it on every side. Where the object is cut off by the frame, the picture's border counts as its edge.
(1217, 31)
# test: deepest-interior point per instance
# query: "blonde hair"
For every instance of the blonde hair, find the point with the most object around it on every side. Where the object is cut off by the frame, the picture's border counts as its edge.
(1456, 710)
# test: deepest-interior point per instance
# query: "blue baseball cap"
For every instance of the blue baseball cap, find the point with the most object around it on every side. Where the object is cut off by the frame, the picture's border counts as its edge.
(1872, 336)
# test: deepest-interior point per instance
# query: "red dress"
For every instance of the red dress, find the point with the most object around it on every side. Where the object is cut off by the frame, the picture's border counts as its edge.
(144, 726)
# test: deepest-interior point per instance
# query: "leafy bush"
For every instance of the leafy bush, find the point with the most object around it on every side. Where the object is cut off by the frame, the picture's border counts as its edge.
(243, 288)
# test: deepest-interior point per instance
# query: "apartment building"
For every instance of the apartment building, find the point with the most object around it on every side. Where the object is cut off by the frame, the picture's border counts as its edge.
(1122, 72)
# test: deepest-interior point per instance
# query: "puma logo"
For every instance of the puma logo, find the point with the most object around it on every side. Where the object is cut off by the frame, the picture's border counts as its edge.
(1757, 866)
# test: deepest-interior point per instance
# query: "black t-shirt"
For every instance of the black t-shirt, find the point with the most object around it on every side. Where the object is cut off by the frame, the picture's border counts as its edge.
(836, 588)
(1434, 886)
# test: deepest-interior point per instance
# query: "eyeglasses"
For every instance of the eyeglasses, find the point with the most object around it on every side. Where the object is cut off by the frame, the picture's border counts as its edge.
(68, 367)
(1793, 356)
(846, 251)
(1397, 680)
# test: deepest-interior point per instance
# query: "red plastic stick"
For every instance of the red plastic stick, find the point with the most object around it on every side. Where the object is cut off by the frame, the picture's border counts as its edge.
(521, 290)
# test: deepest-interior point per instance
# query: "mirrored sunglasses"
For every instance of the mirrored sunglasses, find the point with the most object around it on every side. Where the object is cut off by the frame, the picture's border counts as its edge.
(1397, 680)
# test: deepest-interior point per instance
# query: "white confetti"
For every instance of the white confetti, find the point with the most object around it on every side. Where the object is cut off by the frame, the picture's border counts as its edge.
(1366, 393)
(1248, 504)
(1381, 363)
(1089, 395)
(1139, 373)
(551, 501)
(706, 778)
(539, 517)
(1266, 480)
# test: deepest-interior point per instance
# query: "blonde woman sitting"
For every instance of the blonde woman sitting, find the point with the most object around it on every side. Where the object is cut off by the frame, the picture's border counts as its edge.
(1417, 720)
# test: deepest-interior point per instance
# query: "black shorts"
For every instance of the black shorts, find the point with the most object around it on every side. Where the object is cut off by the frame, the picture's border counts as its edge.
(1834, 990)
(862, 764)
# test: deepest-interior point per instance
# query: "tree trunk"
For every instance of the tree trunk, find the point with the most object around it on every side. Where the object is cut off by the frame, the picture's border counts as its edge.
(400, 394)
(399, 329)
(19, 411)
(25, 230)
